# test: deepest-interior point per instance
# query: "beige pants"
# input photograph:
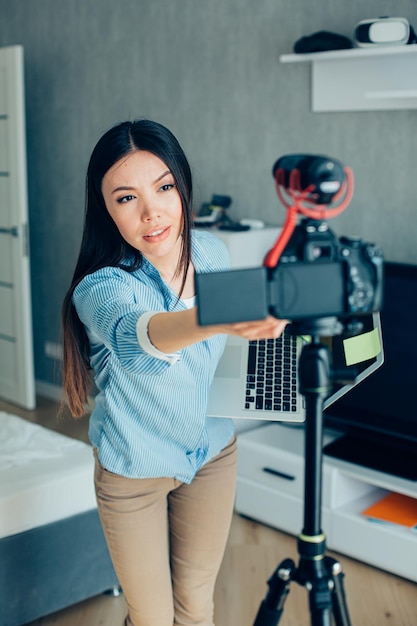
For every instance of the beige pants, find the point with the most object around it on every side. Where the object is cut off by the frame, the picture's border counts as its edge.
(167, 540)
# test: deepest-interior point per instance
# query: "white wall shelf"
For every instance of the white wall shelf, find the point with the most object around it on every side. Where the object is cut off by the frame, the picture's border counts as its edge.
(362, 79)
(275, 497)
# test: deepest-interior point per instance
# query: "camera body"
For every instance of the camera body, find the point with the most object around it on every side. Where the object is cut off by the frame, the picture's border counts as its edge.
(310, 277)
(319, 275)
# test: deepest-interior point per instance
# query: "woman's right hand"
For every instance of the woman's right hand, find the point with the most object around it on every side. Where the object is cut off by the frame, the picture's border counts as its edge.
(269, 328)
(172, 331)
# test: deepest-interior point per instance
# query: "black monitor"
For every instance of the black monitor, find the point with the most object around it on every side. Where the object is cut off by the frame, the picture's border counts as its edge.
(378, 417)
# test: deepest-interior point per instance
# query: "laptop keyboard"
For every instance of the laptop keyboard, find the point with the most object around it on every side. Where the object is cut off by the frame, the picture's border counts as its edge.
(272, 374)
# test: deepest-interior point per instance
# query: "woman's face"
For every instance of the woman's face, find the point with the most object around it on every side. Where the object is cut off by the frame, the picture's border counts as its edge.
(142, 198)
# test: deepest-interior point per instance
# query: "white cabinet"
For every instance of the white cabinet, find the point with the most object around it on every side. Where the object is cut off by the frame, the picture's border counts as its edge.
(270, 489)
(248, 248)
(362, 79)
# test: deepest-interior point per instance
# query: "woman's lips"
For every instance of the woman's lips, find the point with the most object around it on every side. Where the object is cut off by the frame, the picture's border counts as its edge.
(157, 234)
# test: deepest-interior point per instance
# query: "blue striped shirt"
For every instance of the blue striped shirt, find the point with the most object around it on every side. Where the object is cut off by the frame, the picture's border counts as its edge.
(150, 416)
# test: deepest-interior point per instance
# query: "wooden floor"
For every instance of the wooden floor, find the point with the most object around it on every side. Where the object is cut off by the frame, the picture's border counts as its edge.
(374, 598)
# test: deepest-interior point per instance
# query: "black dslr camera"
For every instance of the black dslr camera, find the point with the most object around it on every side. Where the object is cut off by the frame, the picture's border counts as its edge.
(309, 273)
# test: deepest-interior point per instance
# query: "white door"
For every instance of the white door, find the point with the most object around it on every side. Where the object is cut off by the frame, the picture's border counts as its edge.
(16, 344)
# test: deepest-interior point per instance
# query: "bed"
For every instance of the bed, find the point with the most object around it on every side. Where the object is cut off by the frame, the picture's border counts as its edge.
(52, 549)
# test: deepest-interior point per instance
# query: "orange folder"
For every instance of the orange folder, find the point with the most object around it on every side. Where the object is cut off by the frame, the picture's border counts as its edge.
(394, 508)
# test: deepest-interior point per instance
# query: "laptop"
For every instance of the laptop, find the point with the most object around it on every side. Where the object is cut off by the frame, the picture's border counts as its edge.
(259, 379)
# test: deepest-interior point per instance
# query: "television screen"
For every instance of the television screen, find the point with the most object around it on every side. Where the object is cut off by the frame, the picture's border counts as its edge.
(379, 416)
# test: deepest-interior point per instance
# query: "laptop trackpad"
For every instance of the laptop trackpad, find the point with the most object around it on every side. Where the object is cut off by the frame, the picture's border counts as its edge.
(229, 364)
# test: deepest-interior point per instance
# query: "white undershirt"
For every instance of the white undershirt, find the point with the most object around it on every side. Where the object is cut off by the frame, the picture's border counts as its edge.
(143, 336)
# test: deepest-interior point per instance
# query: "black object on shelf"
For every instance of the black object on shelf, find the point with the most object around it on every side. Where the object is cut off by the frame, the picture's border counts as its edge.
(378, 453)
(322, 41)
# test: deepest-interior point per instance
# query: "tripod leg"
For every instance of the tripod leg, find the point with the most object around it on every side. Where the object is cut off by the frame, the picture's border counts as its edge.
(320, 603)
(340, 609)
(272, 607)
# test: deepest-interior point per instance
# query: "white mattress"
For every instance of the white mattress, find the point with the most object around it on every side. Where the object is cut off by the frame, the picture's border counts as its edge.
(44, 476)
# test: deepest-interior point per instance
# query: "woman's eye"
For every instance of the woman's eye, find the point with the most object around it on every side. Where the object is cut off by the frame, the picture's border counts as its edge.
(125, 199)
(167, 187)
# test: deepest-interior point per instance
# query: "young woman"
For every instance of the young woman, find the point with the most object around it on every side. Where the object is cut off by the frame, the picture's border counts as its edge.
(165, 472)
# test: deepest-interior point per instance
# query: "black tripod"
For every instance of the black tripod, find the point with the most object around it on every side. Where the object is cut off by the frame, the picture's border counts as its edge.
(321, 575)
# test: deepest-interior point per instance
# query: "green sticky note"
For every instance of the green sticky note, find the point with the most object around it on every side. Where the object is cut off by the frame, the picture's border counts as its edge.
(362, 347)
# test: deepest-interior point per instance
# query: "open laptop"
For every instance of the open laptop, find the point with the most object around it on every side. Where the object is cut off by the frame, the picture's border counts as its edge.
(259, 379)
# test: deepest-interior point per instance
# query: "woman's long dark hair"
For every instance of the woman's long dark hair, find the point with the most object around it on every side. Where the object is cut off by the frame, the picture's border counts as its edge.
(102, 245)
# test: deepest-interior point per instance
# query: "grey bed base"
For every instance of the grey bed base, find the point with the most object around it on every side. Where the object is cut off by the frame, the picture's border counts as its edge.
(52, 567)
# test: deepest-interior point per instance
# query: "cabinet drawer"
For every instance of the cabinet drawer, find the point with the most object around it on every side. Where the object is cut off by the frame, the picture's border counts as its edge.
(271, 467)
(277, 469)
(268, 506)
(273, 508)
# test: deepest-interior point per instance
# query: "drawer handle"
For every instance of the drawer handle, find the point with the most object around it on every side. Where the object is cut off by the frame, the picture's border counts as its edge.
(13, 231)
(269, 470)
